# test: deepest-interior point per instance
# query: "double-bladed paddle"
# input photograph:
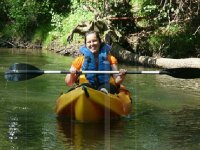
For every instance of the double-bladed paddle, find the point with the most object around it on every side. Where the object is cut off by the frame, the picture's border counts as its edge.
(22, 71)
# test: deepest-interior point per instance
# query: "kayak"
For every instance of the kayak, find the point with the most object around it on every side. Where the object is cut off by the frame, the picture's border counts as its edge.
(85, 104)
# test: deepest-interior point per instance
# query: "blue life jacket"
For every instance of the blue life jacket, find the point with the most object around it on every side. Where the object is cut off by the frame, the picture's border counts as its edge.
(90, 64)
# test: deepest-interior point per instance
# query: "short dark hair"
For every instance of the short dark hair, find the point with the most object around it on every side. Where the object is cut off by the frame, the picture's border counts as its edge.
(92, 32)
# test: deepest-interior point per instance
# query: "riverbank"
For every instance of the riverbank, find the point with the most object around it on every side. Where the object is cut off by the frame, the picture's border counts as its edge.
(123, 55)
(25, 44)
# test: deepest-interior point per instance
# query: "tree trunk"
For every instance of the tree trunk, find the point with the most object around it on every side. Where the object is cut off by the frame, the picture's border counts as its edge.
(131, 58)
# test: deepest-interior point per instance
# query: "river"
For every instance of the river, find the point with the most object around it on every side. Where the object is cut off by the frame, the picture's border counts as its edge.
(166, 112)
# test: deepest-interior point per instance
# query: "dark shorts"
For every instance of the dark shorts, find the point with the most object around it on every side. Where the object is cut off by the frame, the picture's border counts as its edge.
(109, 87)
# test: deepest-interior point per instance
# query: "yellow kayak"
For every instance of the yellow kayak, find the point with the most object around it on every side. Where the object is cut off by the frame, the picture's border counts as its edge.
(85, 104)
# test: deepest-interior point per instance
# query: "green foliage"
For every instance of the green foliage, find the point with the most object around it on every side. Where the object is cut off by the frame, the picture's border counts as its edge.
(78, 16)
(171, 35)
(175, 42)
(184, 44)
(25, 16)
(41, 20)
(3, 12)
(60, 6)
(157, 15)
(137, 2)
(64, 25)
(48, 21)
(158, 44)
(41, 33)
(21, 15)
(122, 9)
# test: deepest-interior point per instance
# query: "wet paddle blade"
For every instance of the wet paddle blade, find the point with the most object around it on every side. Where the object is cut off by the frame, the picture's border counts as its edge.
(183, 73)
(20, 72)
(20, 76)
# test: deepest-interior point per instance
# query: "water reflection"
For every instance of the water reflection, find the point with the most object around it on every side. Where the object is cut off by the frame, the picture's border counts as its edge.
(191, 85)
(89, 136)
(186, 128)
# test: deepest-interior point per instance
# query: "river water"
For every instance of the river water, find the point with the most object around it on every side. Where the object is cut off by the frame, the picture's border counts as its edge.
(166, 112)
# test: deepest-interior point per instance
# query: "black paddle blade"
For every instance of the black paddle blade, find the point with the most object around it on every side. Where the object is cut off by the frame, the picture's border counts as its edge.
(21, 71)
(183, 73)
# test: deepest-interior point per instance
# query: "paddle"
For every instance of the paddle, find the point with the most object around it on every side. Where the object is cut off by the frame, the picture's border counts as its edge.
(21, 71)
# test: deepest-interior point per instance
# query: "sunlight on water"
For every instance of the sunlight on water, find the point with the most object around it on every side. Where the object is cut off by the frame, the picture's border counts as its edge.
(13, 129)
